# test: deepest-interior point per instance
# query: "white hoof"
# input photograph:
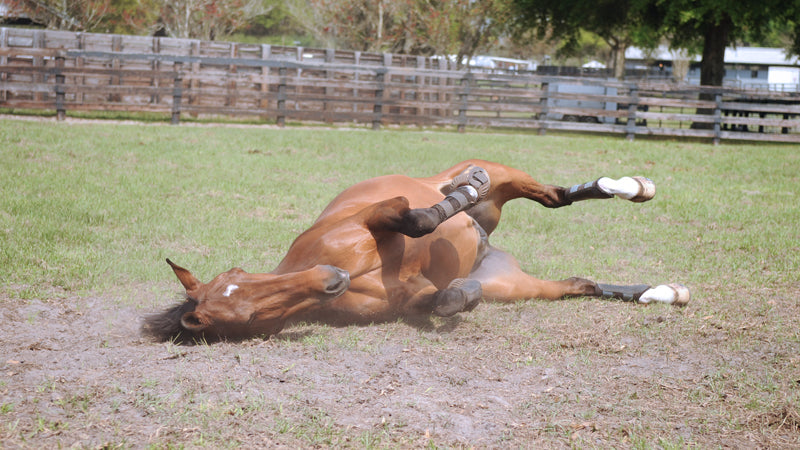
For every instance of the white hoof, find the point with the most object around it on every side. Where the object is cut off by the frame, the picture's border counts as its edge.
(635, 189)
(671, 294)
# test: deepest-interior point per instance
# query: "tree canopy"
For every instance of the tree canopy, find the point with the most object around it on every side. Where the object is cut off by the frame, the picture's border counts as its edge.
(618, 22)
(453, 27)
(712, 25)
(704, 26)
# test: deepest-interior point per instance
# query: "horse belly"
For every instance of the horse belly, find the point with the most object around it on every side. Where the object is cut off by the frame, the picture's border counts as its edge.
(451, 251)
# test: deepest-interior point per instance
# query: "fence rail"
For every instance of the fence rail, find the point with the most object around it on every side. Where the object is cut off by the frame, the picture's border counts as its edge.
(64, 71)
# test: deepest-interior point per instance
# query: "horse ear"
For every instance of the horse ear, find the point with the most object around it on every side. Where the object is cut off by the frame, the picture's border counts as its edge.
(186, 278)
(193, 321)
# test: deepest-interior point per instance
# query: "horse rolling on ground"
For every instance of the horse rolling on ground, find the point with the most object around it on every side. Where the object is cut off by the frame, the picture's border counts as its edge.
(393, 247)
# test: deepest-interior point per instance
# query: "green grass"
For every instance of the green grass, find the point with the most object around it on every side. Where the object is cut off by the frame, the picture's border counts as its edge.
(99, 206)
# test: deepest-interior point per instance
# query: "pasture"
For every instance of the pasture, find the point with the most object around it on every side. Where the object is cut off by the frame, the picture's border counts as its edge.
(89, 212)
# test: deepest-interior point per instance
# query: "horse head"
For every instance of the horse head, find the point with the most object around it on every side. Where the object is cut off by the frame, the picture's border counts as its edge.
(237, 303)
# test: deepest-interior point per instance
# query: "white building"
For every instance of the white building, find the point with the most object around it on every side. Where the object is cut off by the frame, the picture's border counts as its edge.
(745, 67)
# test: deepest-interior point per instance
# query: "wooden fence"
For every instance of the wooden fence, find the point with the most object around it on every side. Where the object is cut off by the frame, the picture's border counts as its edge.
(65, 71)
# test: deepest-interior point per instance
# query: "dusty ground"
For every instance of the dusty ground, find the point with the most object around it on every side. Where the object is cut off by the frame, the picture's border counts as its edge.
(585, 373)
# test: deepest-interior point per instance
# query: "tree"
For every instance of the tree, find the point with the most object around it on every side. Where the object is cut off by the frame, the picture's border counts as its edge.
(617, 22)
(206, 19)
(417, 27)
(78, 15)
(712, 25)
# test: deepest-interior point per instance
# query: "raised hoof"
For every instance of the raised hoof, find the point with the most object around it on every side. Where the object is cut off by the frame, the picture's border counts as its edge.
(647, 190)
(672, 294)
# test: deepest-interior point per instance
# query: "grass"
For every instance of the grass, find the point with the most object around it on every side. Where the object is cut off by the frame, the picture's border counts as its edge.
(93, 208)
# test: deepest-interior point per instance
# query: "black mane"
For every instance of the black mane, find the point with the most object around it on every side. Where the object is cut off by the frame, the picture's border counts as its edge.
(166, 326)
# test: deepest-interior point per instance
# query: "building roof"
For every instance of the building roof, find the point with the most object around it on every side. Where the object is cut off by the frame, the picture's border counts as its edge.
(739, 55)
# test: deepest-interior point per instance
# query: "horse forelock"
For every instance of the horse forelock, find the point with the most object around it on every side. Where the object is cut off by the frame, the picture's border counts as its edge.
(166, 325)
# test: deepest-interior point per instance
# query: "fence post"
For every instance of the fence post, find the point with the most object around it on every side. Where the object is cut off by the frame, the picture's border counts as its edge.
(419, 84)
(357, 62)
(380, 78)
(194, 83)
(463, 98)
(263, 102)
(633, 106)
(3, 61)
(116, 65)
(61, 113)
(156, 66)
(717, 117)
(330, 57)
(80, 81)
(544, 100)
(281, 119)
(38, 61)
(177, 94)
(230, 87)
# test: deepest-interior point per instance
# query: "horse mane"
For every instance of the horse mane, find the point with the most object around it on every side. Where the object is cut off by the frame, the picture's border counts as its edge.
(166, 325)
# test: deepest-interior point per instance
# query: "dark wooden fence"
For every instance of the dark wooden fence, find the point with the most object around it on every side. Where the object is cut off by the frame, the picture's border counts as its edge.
(64, 71)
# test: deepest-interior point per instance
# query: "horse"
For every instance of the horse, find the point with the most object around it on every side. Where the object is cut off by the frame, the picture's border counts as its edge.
(395, 246)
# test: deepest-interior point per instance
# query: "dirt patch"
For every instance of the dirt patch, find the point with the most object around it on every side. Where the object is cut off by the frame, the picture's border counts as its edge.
(75, 372)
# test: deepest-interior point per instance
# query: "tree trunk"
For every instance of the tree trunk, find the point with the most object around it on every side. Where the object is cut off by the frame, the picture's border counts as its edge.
(618, 53)
(712, 67)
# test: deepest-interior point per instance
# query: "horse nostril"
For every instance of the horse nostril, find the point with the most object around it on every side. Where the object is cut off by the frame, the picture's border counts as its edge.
(339, 283)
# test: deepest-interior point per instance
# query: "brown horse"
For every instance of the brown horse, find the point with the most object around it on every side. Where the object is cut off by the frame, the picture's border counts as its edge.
(396, 246)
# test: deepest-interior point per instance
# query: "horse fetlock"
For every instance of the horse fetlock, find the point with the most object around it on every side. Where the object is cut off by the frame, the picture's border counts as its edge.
(582, 286)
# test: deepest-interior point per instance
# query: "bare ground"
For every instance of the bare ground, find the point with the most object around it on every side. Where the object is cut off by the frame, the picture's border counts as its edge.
(583, 373)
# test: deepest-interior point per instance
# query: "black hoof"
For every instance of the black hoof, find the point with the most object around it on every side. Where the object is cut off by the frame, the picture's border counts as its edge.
(449, 301)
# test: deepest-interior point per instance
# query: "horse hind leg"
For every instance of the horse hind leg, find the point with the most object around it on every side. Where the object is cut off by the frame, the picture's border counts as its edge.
(636, 189)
